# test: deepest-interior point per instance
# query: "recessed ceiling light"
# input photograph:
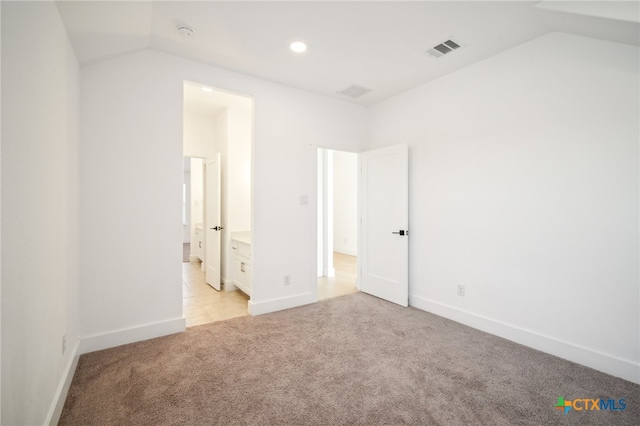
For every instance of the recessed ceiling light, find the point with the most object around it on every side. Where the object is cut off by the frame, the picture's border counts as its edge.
(298, 46)
(207, 89)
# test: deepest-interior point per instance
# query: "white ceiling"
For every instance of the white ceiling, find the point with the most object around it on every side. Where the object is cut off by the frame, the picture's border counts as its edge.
(378, 45)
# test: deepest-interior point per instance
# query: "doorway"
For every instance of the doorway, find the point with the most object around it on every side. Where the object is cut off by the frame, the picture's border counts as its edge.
(217, 140)
(186, 211)
(337, 223)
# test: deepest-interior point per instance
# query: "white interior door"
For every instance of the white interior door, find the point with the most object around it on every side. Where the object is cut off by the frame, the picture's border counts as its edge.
(212, 222)
(385, 222)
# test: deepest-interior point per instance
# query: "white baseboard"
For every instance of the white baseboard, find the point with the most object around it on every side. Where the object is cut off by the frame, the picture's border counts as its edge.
(53, 416)
(329, 272)
(229, 285)
(130, 335)
(274, 305)
(606, 363)
(346, 250)
(104, 341)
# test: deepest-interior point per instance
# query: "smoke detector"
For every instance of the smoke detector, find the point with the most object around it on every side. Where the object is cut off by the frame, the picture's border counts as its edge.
(186, 32)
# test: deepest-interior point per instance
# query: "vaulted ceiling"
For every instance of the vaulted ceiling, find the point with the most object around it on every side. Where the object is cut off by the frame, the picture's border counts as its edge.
(378, 45)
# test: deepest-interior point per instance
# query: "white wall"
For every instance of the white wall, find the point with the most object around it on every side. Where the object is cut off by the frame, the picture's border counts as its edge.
(239, 164)
(40, 211)
(345, 202)
(186, 230)
(325, 212)
(199, 135)
(132, 109)
(197, 191)
(222, 146)
(524, 188)
(197, 201)
(199, 141)
(237, 176)
(320, 213)
(0, 211)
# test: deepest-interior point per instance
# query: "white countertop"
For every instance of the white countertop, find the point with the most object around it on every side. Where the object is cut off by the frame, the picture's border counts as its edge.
(242, 237)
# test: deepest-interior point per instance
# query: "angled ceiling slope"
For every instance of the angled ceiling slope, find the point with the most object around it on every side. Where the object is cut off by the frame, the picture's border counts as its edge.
(380, 46)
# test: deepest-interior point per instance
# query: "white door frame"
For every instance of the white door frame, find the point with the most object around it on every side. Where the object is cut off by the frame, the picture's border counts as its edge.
(213, 222)
(217, 88)
(324, 215)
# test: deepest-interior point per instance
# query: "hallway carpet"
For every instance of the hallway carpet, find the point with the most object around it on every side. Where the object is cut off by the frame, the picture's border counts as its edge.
(351, 360)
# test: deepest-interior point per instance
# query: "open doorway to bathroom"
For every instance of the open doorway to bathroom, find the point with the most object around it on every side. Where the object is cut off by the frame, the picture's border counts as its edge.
(337, 223)
(217, 139)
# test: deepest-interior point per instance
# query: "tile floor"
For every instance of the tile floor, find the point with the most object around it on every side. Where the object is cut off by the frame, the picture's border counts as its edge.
(203, 304)
(344, 282)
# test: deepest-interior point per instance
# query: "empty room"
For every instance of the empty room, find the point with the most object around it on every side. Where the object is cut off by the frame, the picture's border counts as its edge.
(494, 212)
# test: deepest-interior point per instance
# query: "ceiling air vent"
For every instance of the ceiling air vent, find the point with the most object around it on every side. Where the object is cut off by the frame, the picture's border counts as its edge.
(354, 91)
(443, 48)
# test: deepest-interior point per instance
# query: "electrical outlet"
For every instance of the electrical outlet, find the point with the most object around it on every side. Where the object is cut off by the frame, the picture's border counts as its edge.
(287, 279)
(64, 343)
(460, 290)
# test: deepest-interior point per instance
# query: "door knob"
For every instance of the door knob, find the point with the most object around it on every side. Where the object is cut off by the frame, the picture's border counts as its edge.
(401, 232)
(217, 228)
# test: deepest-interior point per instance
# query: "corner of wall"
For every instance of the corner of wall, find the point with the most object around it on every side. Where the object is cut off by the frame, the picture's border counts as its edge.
(0, 209)
(53, 416)
(274, 305)
(624, 369)
(130, 335)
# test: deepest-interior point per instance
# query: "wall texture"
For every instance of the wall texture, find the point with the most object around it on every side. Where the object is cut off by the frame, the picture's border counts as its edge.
(197, 200)
(345, 202)
(524, 188)
(130, 263)
(199, 135)
(236, 176)
(39, 214)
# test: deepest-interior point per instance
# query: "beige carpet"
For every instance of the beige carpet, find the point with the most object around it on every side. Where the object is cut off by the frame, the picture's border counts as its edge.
(352, 360)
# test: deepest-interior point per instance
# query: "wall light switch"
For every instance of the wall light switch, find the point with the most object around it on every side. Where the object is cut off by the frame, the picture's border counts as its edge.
(304, 200)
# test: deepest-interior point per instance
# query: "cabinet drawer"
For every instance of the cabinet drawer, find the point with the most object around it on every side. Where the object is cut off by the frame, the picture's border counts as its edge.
(241, 249)
(198, 244)
(242, 276)
(240, 271)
